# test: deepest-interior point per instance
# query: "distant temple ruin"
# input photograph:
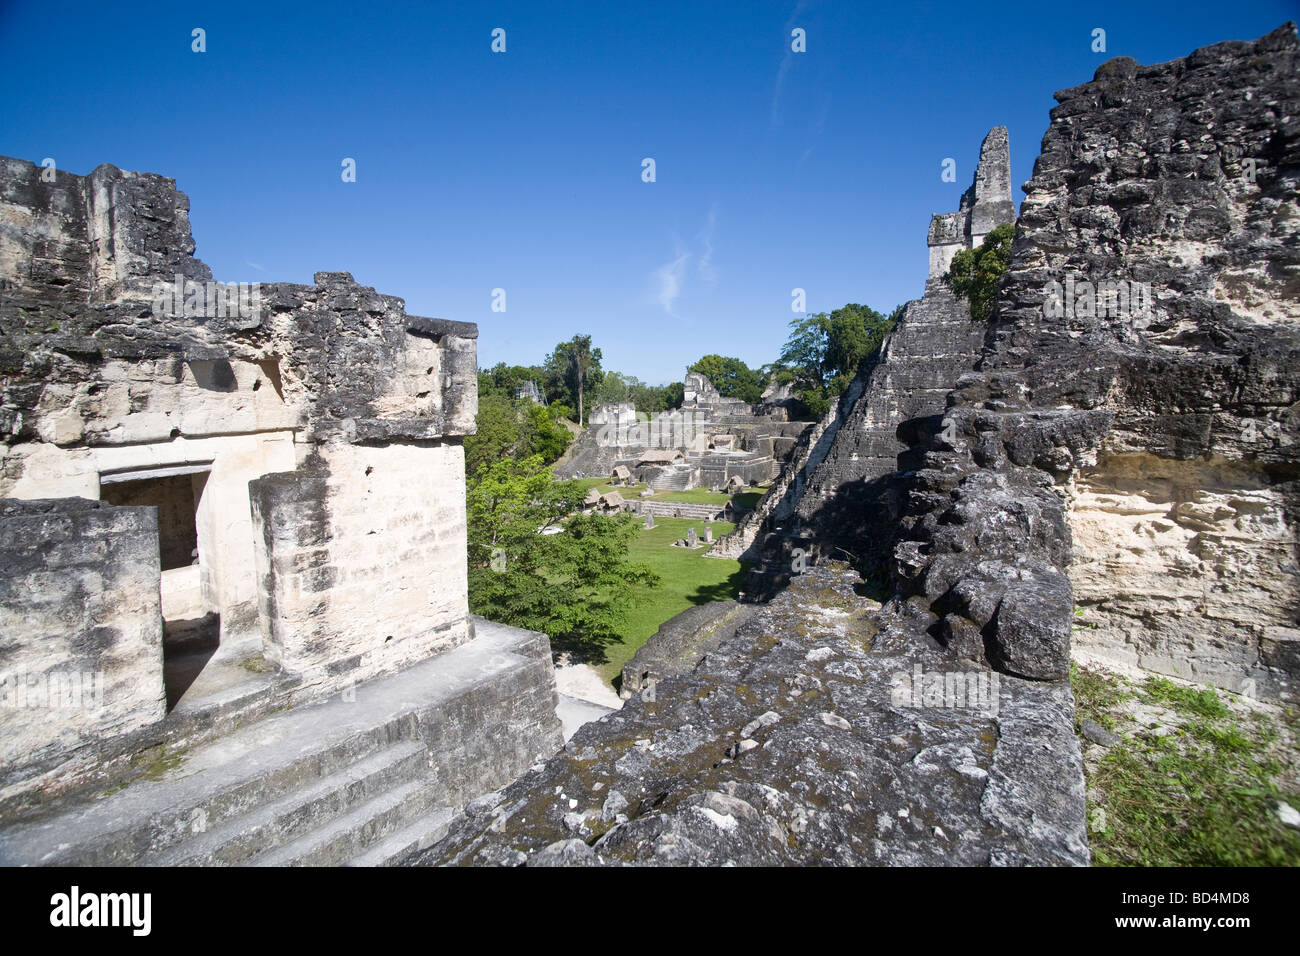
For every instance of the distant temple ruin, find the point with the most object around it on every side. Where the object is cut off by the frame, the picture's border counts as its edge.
(706, 443)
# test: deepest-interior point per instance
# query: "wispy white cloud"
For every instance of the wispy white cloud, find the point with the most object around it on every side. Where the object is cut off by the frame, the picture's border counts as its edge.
(787, 60)
(254, 265)
(819, 124)
(668, 278)
(781, 71)
(669, 281)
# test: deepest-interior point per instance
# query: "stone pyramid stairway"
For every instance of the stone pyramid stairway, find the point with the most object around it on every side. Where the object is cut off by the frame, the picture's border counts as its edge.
(361, 779)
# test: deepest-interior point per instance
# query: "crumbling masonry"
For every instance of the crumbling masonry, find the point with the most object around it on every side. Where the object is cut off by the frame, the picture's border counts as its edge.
(216, 502)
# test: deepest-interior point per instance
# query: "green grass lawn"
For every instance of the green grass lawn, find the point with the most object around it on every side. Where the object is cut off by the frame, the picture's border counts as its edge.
(688, 578)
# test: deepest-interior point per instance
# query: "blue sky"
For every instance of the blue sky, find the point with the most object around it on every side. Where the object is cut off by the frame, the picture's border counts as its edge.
(522, 170)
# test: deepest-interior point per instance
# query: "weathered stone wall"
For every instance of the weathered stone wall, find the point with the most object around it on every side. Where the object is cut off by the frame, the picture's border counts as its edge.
(490, 734)
(795, 743)
(680, 643)
(80, 627)
(361, 553)
(92, 238)
(113, 368)
(1183, 500)
(222, 519)
(1186, 568)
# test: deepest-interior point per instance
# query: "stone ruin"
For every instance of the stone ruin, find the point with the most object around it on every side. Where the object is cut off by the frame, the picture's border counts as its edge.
(1141, 465)
(984, 206)
(218, 502)
(841, 479)
(706, 442)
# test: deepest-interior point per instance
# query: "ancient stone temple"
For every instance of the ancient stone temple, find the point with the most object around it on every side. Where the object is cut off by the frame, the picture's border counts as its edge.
(984, 206)
(838, 492)
(705, 443)
(219, 501)
(1123, 447)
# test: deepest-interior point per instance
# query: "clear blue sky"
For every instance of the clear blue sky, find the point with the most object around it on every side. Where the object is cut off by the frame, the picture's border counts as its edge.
(522, 170)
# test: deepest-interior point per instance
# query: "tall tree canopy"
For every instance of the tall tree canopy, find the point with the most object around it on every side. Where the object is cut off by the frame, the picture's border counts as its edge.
(573, 585)
(826, 349)
(616, 387)
(511, 427)
(731, 377)
(570, 371)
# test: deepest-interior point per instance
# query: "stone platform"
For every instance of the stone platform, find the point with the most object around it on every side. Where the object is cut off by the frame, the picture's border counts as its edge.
(362, 778)
(805, 739)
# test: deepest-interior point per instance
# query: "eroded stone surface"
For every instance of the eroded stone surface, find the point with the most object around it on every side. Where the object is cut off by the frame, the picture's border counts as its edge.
(1170, 431)
(793, 743)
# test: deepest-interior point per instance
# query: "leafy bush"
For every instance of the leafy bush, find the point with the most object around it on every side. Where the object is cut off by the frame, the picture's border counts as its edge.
(974, 273)
(574, 585)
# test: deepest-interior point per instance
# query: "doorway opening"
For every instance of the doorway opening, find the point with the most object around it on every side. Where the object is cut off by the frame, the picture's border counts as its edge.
(191, 623)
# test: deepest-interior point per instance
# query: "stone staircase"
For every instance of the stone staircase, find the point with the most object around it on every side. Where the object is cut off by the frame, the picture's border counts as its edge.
(360, 779)
(671, 479)
(369, 811)
(694, 510)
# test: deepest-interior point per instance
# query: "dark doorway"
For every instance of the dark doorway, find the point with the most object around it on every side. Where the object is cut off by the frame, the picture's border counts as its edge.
(173, 496)
(191, 631)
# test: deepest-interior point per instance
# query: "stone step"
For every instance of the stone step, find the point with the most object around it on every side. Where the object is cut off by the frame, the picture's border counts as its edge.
(320, 783)
(679, 479)
(350, 835)
(420, 835)
(149, 817)
(278, 822)
(678, 509)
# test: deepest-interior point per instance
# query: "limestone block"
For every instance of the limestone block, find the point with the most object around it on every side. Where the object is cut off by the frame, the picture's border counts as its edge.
(80, 626)
(362, 552)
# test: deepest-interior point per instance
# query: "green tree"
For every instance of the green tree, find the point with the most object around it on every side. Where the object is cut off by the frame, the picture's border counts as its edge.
(614, 387)
(825, 351)
(974, 273)
(570, 371)
(514, 428)
(497, 435)
(730, 376)
(542, 433)
(572, 585)
(506, 379)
